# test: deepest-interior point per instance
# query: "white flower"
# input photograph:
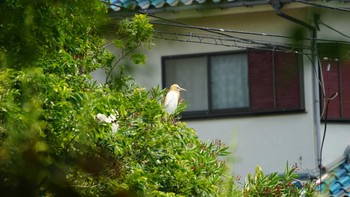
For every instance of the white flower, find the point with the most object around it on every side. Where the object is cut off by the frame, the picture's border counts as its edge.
(112, 118)
(101, 117)
(115, 127)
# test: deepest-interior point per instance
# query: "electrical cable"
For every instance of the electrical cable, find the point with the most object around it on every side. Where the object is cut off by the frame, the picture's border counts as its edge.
(220, 31)
(324, 131)
(248, 33)
(182, 25)
(329, 27)
(228, 41)
(208, 29)
(322, 6)
(321, 81)
(267, 43)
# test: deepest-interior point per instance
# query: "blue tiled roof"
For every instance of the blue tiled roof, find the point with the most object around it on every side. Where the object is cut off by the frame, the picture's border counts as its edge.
(147, 5)
(117, 5)
(336, 181)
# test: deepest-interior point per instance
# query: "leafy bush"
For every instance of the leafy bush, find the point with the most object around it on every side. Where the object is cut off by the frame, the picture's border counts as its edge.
(276, 185)
(61, 134)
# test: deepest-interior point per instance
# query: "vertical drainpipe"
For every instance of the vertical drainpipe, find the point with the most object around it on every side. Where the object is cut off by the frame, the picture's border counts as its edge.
(277, 5)
(317, 103)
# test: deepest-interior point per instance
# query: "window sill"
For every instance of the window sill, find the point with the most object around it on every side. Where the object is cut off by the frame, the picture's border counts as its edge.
(204, 115)
(337, 120)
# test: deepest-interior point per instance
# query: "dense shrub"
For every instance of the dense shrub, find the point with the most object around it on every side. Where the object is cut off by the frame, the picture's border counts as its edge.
(274, 184)
(61, 134)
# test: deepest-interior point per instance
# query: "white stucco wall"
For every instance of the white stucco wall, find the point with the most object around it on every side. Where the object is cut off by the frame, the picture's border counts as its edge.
(267, 140)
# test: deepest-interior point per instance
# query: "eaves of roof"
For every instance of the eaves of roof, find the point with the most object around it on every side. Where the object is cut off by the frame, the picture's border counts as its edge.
(155, 6)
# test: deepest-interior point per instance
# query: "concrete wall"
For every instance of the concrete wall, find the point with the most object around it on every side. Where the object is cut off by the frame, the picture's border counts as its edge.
(267, 140)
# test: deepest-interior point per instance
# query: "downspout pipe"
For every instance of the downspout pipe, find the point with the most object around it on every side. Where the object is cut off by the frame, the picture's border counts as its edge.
(277, 5)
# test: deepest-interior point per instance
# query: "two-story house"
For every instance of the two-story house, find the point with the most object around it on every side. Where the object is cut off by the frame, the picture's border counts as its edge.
(266, 77)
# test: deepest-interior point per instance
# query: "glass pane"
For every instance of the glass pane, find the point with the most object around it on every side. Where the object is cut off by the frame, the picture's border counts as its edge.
(229, 80)
(191, 74)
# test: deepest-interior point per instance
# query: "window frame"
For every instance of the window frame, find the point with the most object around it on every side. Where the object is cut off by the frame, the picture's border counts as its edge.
(233, 112)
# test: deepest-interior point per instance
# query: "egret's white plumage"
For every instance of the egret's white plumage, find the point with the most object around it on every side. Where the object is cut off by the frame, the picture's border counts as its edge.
(172, 98)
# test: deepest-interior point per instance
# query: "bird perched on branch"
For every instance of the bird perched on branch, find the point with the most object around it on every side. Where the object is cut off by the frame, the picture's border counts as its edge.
(172, 98)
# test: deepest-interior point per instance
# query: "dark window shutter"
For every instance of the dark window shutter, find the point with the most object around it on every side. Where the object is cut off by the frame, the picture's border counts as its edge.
(331, 78)
(345, 88)
(287, 82)
(274, 81)
(260, 80)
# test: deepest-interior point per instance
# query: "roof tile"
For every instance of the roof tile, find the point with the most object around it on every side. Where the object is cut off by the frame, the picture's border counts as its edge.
(337, 178)
(338, 181)
(117, 5)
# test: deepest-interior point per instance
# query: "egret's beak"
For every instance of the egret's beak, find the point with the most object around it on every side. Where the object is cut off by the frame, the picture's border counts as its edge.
(182, 89)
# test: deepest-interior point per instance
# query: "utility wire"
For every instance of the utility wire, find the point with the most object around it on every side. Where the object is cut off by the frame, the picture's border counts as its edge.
(329, 27)
(221, 30)
(225, 36)
(240, 32)
(245, 32)
(325, 130)
(322, 5)
(229, 41)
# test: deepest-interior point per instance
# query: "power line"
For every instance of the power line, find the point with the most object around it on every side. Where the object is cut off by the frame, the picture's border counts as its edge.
(322, 6)
(329, 27)
(236, 41)
(229, 42)
(247, 32)
(219, 31)
(178, 24)
(234, 38)
(222, 30)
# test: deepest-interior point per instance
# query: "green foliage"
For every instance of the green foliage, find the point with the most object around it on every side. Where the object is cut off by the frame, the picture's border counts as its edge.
(229, 187)
(275, 184)
(137, 32)
(61, 134)
(34, 30)
(57, 137)
(132, 34)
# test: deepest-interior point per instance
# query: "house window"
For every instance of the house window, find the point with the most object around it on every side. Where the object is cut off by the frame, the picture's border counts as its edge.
(248, 82)
(336, 78)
